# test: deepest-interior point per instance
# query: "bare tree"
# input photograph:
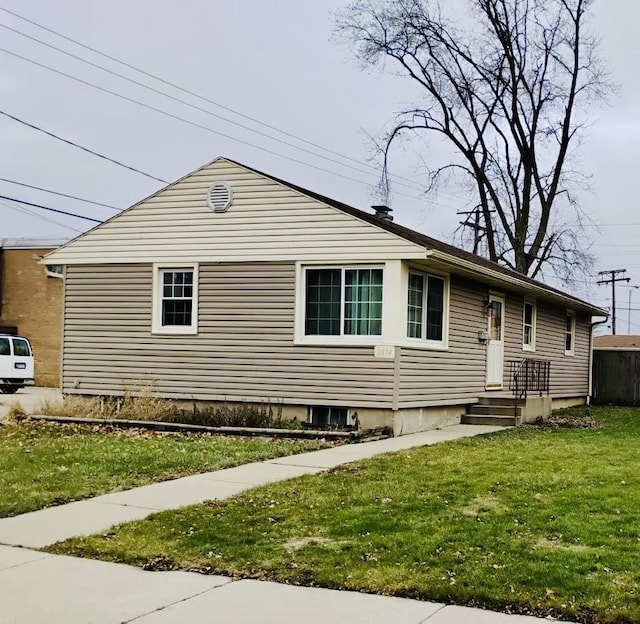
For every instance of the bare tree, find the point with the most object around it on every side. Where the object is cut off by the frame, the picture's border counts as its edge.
(509, 85)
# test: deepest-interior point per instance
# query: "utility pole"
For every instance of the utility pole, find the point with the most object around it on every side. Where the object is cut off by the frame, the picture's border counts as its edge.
(478, 230)
(612, 280)
(630, 287)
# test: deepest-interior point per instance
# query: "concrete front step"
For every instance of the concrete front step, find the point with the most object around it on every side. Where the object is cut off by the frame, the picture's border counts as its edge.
(503, 399)
(489, 419)
(495, 409)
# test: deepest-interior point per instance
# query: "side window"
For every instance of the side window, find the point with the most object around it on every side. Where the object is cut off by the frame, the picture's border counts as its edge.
(21, 347)
(570, 334)
(427, 307)
(4, 346)
(529, 326)
(175, 300)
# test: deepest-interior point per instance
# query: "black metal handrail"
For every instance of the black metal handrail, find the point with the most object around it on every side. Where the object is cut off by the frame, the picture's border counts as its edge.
(529, 375)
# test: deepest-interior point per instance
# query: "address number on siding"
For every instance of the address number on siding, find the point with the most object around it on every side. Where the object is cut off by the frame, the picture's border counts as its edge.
(387, 352)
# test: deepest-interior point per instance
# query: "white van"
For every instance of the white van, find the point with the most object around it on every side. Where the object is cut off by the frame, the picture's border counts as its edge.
(16, 363)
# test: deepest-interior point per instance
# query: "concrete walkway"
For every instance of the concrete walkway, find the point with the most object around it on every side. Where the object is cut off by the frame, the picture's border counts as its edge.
(41, 588)
(29, 398)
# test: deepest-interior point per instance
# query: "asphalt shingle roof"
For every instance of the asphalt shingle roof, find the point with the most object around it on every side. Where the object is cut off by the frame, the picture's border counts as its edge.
(427, 241)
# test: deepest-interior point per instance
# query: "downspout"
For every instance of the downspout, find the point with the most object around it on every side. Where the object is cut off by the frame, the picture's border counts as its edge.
(591, 326)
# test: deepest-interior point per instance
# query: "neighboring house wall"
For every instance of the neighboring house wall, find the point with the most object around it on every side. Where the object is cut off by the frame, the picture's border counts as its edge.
(32, 303)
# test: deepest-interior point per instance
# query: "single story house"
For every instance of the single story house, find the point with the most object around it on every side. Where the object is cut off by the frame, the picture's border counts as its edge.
(232, 285)
(31, 302)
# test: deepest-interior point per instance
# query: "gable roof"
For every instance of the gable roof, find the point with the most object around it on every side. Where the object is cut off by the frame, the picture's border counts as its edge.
(449, 252)
(85, 248)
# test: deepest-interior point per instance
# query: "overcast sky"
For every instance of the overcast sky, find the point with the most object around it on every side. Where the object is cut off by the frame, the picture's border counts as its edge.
(273, 61)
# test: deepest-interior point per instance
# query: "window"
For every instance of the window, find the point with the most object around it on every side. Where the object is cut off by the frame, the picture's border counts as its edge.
(175, 308)
(343, 302)
(21, 347)
(570, 334)
(426, 307)
(529, 326)
(328, 416)
(5, 349)
(324, 293)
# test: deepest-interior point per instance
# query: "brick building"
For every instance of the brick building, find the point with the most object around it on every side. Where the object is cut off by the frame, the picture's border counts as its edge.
(31, 302)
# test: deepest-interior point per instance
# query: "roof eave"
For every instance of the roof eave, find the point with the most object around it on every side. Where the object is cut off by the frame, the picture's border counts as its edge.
(540, 289)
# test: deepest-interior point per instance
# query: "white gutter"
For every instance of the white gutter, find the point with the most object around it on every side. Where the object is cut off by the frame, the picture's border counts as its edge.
(32, 243)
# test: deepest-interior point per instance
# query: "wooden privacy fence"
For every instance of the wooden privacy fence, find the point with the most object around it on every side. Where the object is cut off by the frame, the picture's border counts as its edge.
(616, 377)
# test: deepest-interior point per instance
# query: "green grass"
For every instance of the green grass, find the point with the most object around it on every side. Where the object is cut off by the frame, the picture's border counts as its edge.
(533, 520)
(43, 465)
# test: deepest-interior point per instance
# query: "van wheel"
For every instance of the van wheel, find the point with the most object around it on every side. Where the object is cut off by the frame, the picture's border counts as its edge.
(9, 389)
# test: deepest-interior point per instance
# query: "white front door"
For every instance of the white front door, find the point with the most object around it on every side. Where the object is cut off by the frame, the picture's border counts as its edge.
(495, 342)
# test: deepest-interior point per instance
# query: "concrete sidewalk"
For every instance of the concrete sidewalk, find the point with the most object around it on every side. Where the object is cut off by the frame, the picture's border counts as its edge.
(38, 588)
(29, 398)
(47, 526)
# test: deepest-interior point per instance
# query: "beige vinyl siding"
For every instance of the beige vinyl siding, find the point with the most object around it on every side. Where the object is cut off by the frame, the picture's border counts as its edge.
(569, 373)
(457, 375)
(243, 351)
(267, 221)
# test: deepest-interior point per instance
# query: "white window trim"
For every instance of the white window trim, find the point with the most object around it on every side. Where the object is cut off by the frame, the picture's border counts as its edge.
(572, 314)
(423, 343)
(347, 340)
(394, 317)
(534, 321)
(156, 316)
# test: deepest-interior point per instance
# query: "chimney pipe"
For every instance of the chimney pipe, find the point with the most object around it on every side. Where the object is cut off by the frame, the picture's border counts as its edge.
(383, 212)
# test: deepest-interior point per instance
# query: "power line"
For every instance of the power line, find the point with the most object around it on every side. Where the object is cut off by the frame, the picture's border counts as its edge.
(85, 149)
(41, 217)
(179, 88)
(187, 121)
(39, 188)
(200, 109)
(68, 214)
(599, 225)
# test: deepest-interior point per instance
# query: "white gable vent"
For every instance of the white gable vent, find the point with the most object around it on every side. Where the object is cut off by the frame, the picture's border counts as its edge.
(220, 196)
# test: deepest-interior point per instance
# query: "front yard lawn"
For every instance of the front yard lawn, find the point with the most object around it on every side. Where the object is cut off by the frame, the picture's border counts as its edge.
(43, 465)
(532, 520)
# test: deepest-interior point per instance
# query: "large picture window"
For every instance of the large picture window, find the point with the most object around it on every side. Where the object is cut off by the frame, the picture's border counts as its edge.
(343, 302)
(175, 305)
(426, 311)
